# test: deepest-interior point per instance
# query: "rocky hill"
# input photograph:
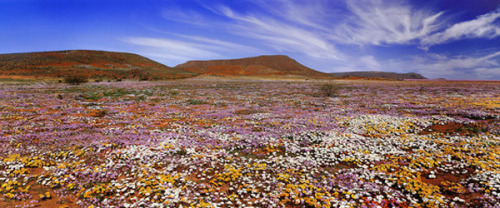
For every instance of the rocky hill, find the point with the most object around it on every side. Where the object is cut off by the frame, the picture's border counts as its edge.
(88, 63)
(378, 75)
(274, 66)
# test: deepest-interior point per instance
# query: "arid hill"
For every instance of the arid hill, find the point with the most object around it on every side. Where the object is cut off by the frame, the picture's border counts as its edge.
(274, 66)
(88, 63)
(378, 75)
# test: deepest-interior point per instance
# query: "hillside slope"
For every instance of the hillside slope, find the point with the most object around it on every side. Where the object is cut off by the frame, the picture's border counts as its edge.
(378, 74)
(275, 65)
(92, 64)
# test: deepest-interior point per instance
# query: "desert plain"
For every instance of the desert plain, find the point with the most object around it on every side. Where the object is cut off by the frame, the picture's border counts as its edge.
(210, 142)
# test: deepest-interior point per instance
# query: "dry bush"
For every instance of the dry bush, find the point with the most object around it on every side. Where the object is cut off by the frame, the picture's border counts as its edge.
(99, 113)
(75, 80)
(330, 89)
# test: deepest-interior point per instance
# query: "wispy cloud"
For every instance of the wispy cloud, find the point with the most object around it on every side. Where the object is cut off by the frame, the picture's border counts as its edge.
(363, 63)
(431, 65)
(174, 47)
(285, 26)
(184, 16)
(370, 63)
(487, 73)
(482, 27)
(220, 45)
(377, 22)
(459, 67)
(460, 63)
(209, 43)
(281, 35)
(187, 47)
(313, 14)
(173, 51)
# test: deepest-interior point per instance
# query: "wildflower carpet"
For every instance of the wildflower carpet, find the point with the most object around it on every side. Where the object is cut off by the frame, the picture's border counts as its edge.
(235, 143)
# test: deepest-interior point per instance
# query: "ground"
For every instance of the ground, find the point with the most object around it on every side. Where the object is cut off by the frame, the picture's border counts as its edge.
(241, 143)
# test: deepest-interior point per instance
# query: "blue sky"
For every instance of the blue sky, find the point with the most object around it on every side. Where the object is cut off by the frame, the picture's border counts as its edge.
(453, 39)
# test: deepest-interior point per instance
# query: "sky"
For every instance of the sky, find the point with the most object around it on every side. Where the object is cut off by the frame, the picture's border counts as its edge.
(452, 39)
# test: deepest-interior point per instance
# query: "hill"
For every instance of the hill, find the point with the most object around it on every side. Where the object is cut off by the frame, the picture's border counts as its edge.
(275, 65)
(88, 63)
(378, 75)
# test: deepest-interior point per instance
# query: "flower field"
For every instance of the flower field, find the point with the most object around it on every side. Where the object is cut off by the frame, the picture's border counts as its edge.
(243, 143)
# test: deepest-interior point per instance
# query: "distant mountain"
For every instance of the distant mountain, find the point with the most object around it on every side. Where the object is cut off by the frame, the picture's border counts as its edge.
(378, 75)
(273, 66)
(92, 64)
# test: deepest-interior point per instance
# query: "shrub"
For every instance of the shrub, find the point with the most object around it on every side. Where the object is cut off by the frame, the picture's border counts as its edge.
(99, 113)
(330, 89)
(195, 102)
(75, 80)
(144, 78)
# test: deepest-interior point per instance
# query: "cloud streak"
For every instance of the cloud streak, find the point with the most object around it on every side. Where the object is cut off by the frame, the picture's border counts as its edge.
(174, 48)
(184, 16)
(461, 63)
(175, 51)
(380, 22)
(312, 14)
(460, 67)
(431, 66)
(482, 27)
(280, 35)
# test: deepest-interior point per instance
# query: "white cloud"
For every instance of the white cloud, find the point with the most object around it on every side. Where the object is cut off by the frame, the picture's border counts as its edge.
(370, 63)
(220, 45)
(378, 22)
(431, 66)
(281, 35)
(314, 14)
(363, 63)
(191, 47)
(437, 56)
(174, 47)
(285, 26)
(184, 16)
(488, 73)
(461, 67)
(482, 27)
(462, 63)
(214, 44)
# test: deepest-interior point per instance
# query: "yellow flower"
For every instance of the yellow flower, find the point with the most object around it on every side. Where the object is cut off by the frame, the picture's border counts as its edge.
(9, 195)
(87, 194)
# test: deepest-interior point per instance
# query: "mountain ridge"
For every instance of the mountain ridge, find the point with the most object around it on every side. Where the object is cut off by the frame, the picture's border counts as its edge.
(265, 65)
(100, 65)
(378, 74)
(92, 64)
